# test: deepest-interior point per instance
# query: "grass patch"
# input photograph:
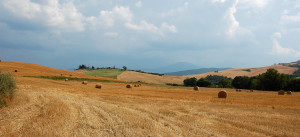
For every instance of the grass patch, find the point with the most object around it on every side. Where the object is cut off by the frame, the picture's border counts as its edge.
(110, 73)
(7, 87)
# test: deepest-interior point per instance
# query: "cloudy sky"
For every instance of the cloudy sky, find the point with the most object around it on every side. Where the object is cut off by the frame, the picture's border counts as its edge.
(150, 34)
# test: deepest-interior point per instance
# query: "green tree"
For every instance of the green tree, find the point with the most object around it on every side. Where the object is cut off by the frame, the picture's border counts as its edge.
(224, 83)
(203, 82)
(190, 82)
(124, 68)
(242, 82)
(272, 80)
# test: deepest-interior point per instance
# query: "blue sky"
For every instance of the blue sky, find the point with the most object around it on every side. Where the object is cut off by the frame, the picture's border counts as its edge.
(150, 34)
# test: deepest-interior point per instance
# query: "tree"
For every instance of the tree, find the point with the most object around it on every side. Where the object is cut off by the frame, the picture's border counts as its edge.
(190, 82)
(242, 82)
(224, 83)
(93, 67)
(83, 67)
(203, 82)
(293, 85)
(124, 68)
(272, 80)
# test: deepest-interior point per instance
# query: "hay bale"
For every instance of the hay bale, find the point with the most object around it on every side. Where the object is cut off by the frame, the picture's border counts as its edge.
(240, 90)
(251, 90)
(70, 75)
(98, 86)
(128, 86)
(289, 92)
(84, 82)
(237, 90)
(136, 85)
(0, 60)
(61, 74)
(281, 92)
(16, 70)
(66, 79)
(222, 94)
(196, 88)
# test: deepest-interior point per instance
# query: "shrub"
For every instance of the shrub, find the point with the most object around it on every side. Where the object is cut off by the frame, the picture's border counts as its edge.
(7, 87)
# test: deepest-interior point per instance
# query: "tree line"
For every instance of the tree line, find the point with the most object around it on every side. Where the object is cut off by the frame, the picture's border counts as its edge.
(270, 80)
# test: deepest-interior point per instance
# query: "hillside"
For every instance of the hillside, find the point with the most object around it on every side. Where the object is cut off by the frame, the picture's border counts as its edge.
(248, 71)
(30, 69)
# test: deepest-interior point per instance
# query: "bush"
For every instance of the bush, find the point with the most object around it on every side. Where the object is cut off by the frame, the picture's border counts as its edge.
(190, 82)
(7, 86)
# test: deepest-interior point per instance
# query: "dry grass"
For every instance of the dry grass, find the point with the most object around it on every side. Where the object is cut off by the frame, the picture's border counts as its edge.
(44, 107)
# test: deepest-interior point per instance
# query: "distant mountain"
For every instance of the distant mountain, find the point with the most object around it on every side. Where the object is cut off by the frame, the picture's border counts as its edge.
(195, 71)
(179, 66)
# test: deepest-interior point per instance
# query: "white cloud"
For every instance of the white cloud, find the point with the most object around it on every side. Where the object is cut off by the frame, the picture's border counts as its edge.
(277, 35)
(148, 27)
(174, 12)
(49, 13)
(111, 34)
(139, 4)
(221, 1)
(254, 3)
(234, 24)
(118, 13)
(281, 51)
(170, 28)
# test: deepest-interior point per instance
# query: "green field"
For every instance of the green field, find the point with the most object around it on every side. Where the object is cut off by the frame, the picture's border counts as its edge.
(110, 73)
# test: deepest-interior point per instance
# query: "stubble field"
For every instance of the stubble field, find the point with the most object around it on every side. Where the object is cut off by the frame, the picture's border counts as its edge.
(44, 107)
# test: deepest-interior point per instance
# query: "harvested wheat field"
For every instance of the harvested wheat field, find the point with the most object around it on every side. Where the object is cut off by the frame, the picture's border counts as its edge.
(248, 71)
(44, 107)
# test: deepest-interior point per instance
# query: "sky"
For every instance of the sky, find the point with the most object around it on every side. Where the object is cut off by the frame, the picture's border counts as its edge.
(150, 34)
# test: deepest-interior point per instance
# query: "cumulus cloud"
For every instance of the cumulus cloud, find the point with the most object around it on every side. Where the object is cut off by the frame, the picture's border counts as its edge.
(49, 13)
(118, 13)
(233, 23)
(280, 50)
(139, 4)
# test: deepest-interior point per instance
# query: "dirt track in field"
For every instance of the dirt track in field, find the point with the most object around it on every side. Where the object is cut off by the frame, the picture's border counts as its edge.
(44, 107)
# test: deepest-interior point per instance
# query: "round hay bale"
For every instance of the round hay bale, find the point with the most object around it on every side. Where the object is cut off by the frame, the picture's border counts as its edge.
(70, 75)
(16, 70)
(240, 90)
(84, 82)
(136, 85)
(196, 88)
(281, 92)
(98, 86)
(140, 84)
(251, 90)
(61, 74)
(222, 94)
(128, 86)
(289, 92)
(66, 79)
(237, 90)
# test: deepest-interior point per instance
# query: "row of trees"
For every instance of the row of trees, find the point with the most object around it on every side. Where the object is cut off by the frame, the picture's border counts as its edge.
(209, 81)
(93, 68)
(271, 80)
